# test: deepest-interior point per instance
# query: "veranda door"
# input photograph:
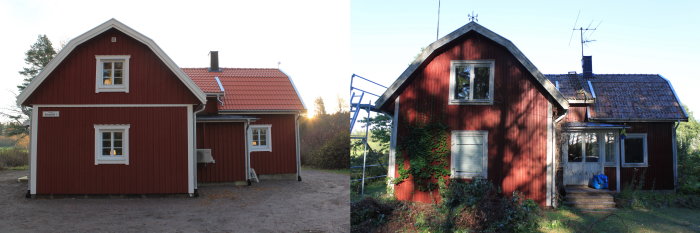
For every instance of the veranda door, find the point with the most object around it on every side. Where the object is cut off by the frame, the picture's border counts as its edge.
(582, 158)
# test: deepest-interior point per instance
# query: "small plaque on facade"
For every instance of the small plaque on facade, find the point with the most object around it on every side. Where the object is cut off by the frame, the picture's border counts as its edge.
(50, 114)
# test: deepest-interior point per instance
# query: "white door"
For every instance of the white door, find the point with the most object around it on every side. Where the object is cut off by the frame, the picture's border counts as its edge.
(581, 153)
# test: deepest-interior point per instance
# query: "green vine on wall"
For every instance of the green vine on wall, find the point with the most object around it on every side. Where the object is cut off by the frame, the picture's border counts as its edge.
(427, 151)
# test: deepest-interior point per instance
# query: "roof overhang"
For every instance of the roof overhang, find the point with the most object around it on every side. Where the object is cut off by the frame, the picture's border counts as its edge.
(573, 126)
(472, 26)
(622, 120)
(253, 111)
(112, 23)
(226, 118)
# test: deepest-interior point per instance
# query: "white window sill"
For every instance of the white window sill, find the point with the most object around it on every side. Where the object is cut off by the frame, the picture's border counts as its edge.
(470, 102)
(467, 175)
(260, 149)
(124, 161)
(634, 165)
(112, 89)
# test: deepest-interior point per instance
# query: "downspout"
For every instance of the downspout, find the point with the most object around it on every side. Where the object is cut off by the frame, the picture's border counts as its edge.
(298, 150)
(246, 125)
(675, 155)
(555, 166)
(194, 136)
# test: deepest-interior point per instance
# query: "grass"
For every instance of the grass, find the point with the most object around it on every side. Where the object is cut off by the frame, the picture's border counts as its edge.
(623, 220)
(23, 167)
(374, 189)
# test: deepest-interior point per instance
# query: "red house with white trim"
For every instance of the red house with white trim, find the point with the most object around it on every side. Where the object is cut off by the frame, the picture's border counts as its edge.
(113, 114)
(529, 132)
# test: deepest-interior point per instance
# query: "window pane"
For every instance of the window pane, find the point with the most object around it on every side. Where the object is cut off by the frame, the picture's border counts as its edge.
(575, 147)
(118, 135)
(107, 65)
(263, 141)
(117, 151)
(106, 151)
(118, 73)
(462, 73)
(481, 82)
(610, 147)
(634, 150)
(106, 144)
(592, 148)
(117, 81)
(106, 73)
(117, 143)
(118, 65)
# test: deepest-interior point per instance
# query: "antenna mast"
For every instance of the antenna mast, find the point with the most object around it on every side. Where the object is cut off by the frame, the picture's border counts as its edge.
(437, 35)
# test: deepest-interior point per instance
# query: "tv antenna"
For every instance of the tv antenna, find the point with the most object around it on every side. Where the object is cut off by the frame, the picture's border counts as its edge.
(473, 17)
(582, 30)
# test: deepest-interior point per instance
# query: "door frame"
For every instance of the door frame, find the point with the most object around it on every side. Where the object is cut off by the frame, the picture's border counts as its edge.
(602, 152)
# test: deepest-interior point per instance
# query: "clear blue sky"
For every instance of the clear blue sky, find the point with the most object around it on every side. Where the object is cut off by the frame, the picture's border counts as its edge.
(634, 37)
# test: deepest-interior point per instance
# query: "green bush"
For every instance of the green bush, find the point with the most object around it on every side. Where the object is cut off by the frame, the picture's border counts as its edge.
(13, 157)
(334, 154)
(325, 141)
(367, 214)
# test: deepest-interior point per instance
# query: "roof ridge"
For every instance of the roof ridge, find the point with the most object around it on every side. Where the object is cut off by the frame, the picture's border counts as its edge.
(234, 68)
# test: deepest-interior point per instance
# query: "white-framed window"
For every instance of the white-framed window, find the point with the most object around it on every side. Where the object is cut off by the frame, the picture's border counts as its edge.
(112, 144)
(471, 82)
(469, 154)
(112, 73)
(259, 138)
(591, 147)
(634, 150)
(611, 149)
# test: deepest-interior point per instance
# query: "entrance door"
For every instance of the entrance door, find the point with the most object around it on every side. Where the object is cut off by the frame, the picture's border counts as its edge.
(582, 157)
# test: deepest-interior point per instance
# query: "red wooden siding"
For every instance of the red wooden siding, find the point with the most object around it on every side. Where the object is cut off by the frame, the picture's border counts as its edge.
(212, 106)
(282, 158)
(226, 143)
(659, 173)
(516, 122)
(612, 180)
(576, 113)
(150, 80)
(157, 152)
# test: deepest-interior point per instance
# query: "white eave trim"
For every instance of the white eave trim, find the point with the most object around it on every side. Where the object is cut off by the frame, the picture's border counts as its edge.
(444, 41)
(112, 23)
(295, 89)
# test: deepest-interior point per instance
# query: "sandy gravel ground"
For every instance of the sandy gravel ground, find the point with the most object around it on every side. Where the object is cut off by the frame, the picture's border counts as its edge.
(320, 203)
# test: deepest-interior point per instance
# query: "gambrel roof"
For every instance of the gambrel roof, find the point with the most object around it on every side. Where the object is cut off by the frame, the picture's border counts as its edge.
(112, 23)
(428, 52)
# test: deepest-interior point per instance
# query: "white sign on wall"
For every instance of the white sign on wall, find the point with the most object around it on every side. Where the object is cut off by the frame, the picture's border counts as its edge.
(50, 114)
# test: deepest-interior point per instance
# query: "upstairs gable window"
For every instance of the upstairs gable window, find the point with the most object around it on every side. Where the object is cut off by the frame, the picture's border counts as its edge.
(112, 73)
(471, 82)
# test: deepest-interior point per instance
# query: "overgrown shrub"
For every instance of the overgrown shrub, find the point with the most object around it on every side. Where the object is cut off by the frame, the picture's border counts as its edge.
(334, 154)
(325, 141)
(13, 157)
(369, 213)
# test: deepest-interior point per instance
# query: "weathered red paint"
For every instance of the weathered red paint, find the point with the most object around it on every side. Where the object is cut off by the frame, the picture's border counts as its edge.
(576, 113)
(659, 173)
(611, 173)
(150, 80)
(516, 122)
(228, 149)
(157, 151)
(226, 141)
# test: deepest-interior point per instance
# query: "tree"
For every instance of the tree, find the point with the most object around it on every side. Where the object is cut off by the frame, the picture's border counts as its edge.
(688, 143)
(37, 57)
(320, 106)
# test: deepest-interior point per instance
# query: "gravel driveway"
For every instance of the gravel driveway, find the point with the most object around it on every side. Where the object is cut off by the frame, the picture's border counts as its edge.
(320, 203)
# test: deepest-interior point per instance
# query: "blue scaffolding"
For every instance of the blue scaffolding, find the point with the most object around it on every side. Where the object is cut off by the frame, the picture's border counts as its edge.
(357, 96)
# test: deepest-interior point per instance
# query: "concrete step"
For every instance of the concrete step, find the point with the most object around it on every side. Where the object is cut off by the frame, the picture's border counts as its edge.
(590, 198)
(591, 205)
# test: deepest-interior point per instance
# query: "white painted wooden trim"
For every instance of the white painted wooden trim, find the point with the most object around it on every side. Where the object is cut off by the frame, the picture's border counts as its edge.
(392, 145)
(99, 86)
(550, 157)
(33, 137)
(112, 23)
(297, 141)
(675, 156)
(645, 150)
(272, 112)
(295, 89)
(108, 105)
(190, 151)
(618, 161)
(474, 63)
(485, 153)
(268, 138)
(99, 158)
(247, 151)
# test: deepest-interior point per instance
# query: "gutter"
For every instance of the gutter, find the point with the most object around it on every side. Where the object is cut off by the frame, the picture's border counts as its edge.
(298, 150)
(194, 137)
(246, 125)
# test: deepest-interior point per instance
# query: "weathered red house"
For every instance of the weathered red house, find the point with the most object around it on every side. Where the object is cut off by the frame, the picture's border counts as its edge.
(505, 118)
(113, 114)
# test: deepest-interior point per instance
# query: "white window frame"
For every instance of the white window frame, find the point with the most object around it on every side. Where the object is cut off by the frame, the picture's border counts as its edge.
(268, 138)
(616, 150)
(453, 82)
(99, 158)
(99, 86)
(601, 147)
(643, 136)
(484, 156)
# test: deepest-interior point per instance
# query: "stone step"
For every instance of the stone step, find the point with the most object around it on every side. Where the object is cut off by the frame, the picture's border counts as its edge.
(591, 206)
(600, 211)
(590, 199)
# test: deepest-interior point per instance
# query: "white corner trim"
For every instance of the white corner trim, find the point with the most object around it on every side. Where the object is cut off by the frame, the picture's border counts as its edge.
(298, 143)
(190, 150)
(392, 145)
(99, 158)
(246, 164)
(550, 157)
(109, 24)
(485, 153)
(33, 138)
(99, 87)
(268, 137)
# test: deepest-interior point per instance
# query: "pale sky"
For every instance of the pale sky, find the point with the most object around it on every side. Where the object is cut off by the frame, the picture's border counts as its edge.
(310, 38)
(634, 36)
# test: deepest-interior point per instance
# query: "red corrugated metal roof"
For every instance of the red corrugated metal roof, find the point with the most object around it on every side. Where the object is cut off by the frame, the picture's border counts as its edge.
(249, 89)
